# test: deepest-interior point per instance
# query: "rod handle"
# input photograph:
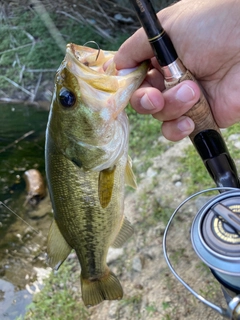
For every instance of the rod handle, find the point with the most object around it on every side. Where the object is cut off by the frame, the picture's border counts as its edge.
(200, 113)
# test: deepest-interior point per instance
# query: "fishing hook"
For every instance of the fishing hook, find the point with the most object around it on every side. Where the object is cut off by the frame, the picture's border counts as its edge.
(94, 42)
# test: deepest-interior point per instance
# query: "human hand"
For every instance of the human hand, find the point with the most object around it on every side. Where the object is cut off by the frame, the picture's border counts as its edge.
(205, 35)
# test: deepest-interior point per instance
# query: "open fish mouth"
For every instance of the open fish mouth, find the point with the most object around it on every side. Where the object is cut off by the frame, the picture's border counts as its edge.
(95, 60)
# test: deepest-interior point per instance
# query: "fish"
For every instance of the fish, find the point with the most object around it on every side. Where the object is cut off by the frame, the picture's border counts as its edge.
(87, 165)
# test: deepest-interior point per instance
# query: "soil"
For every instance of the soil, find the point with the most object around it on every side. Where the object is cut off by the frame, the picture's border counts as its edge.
(151, 291)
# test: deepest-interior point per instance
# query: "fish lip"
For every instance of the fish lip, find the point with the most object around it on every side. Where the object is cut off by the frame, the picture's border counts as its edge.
(72, 52)
(81, 54)
(70, 49)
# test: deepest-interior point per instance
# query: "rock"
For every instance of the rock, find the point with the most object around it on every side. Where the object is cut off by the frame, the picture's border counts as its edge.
(178, 184)
(176, 178)
(119, 17)
(42, 209)
(151, 173)
(35, 186)
(114, 254)
(137, 263)
(112, 313)
(237, 144)
(234, 137)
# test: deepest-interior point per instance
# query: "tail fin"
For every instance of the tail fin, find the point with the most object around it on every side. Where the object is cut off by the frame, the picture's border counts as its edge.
(106, 288)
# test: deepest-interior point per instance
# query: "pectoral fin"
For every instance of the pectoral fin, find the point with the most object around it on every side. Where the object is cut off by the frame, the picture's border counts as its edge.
(105, 186)
(130, 178)
(125, 232)
(57, 247)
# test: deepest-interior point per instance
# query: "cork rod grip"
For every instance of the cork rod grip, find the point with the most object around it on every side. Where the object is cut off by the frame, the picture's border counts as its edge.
(200, 113)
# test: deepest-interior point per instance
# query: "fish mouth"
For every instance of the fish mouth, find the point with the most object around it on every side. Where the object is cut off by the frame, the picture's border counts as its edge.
(95, 59)
(99, 86)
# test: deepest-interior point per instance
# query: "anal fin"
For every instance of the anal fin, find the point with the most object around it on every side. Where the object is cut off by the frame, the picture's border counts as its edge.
(125, 232)
(57, 247)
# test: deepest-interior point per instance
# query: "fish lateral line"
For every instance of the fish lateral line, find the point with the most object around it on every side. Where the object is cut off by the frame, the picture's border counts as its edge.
(3, 204)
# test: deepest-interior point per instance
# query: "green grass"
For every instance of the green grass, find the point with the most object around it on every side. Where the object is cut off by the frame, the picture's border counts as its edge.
(144, 131)
(143, 139)
(199, 178)
(57, 297)
(29, 46)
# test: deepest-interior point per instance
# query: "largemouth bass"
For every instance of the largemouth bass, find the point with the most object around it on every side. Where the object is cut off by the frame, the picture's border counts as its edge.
(87, 165)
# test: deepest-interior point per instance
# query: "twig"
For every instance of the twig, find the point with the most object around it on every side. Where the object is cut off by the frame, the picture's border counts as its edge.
(68, 15)
(95, 12)
(17, 85)
(21, 73)
(37, 86)
(17, 140)
(17, 48)
(30, 37)
(40, 70)
(104, 13)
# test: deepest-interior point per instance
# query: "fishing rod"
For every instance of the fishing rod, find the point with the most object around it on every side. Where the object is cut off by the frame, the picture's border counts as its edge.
(215, 231)
(206, 136)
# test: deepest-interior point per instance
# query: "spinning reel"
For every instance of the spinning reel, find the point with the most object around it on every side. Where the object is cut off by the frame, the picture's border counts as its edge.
(215, 231)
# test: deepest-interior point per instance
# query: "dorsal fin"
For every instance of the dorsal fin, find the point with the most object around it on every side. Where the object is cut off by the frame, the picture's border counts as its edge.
(130, 178)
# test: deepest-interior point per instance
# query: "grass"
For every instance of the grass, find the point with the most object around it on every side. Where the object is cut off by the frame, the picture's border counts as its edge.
(199, 178)
(28, 50)
(58, 298)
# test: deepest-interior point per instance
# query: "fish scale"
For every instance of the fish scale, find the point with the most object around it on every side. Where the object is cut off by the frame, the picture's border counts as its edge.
(87, 165)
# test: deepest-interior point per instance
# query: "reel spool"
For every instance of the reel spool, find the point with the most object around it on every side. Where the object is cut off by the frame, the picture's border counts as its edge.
(215, 236)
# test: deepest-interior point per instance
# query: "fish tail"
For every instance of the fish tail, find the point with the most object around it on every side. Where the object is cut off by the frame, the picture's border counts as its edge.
(95, 291)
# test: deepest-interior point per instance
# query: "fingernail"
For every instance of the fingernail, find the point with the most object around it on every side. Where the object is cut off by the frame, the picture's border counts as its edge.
(185, 93)
(146, 103)
(185, 125)
(106, 64)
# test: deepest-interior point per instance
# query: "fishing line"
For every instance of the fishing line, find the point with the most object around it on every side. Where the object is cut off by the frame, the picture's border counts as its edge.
(1, 203)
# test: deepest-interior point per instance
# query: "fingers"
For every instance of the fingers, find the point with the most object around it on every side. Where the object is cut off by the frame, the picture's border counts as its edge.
(176, 130)
(168, 107)
(178, 100)
(133, 51)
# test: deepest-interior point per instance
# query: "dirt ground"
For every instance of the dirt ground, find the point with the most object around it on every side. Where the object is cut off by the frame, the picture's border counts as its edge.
(151, 291)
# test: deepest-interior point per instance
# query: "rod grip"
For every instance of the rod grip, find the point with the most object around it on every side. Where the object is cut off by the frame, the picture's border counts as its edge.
(201, 112)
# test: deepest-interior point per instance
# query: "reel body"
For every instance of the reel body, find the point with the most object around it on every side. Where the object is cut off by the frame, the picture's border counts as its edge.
(215, 236)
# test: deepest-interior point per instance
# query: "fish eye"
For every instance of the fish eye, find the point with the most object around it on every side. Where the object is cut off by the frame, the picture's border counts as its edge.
(67, 98)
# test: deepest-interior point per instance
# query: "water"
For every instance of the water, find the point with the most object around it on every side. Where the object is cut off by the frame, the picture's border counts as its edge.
(22, 251)
(15, 158)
